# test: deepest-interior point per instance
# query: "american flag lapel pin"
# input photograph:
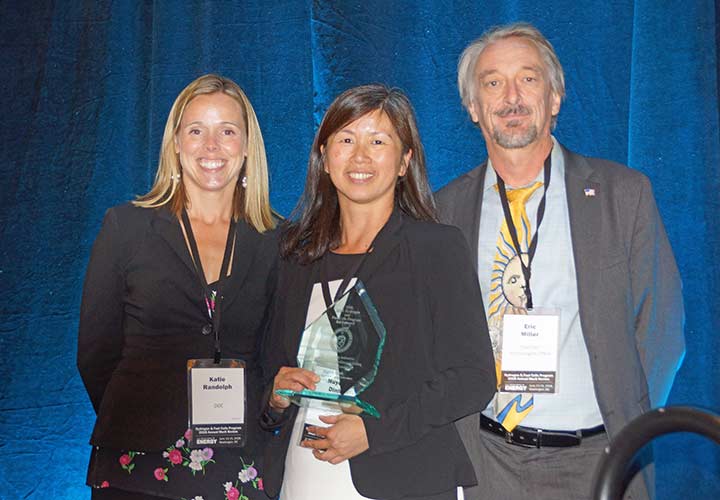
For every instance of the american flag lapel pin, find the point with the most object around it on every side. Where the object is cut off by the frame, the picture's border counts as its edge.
(589, 192)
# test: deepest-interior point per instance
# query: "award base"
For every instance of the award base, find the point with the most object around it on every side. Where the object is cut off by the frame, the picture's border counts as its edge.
(346, 404)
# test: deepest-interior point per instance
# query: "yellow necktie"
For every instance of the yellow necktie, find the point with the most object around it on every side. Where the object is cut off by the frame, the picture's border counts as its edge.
(507, 296)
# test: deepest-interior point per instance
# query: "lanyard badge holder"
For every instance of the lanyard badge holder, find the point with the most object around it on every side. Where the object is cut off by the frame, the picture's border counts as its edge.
(530, 341)
(217, 404)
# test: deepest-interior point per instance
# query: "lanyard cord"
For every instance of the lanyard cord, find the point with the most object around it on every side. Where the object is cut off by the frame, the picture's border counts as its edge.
(354, 270)
(513, 231)
(324, 282)
(217, 310)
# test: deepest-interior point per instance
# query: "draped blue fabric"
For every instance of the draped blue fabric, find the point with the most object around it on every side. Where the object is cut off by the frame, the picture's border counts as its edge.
(87, 86)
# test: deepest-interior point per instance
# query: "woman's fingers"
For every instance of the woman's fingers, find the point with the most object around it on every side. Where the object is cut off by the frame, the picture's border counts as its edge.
(293, 379)
(344, 439)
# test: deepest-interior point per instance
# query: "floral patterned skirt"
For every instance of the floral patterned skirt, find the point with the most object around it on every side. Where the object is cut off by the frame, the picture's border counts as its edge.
(179, 472)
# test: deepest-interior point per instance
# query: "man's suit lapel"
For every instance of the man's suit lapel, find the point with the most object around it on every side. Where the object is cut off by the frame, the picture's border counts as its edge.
(468, 207)
(585, 211)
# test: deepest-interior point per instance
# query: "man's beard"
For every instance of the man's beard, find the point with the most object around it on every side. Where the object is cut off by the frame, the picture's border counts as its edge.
(510, 140)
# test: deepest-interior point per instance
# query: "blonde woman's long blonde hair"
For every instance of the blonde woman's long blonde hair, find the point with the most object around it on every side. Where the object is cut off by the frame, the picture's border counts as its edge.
(251, 203)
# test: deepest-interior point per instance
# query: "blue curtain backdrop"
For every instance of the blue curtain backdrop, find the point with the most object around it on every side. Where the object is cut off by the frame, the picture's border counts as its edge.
(87, 85)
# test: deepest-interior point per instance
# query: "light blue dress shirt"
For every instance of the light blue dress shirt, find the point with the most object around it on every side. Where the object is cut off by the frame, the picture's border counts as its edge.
(554, 285)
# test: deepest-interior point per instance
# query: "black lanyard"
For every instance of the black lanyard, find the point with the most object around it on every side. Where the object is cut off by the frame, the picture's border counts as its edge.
(217, 310)
(513, 231)
(354, 270)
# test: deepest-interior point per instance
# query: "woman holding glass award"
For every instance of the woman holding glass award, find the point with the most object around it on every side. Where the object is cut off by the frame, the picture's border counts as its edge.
(175, 302)
(366, 259)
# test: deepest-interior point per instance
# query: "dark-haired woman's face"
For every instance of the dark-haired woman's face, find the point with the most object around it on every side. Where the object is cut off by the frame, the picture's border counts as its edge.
(364, 160)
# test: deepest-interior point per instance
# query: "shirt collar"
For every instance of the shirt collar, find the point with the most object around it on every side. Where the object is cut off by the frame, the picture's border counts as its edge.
(558, 168)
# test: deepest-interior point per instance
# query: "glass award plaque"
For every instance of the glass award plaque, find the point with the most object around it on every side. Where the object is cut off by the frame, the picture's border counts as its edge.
(343, 347)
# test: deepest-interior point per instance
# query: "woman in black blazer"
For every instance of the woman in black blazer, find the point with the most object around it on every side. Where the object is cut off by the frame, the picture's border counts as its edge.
(184, 272)
(367, 213)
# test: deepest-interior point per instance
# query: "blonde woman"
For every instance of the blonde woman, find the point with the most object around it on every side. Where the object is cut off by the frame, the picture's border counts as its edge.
(185, 272)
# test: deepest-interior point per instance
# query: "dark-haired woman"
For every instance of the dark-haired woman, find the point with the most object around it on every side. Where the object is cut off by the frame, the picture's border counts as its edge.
(185, 272)
(367, 213)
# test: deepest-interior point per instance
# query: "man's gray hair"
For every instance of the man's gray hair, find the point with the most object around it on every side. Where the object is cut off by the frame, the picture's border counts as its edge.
(469, 57)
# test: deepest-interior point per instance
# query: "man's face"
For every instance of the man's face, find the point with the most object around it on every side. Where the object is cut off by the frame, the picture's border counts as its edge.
(513, 102)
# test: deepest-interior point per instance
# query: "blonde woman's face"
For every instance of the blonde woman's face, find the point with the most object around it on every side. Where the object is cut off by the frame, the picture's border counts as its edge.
(211, 143)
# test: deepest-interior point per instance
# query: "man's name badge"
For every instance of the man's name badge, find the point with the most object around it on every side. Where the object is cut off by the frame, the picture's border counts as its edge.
(216, 402)
(529, 360)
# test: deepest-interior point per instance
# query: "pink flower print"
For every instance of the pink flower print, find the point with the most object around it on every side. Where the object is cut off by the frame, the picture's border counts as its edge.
(126, 461)
(210, 303)
(233, 494)
(252, 472)
(196, 461)
(175, 457)
(105, 484)
(180, 454)
(160, 474)
(247, 474)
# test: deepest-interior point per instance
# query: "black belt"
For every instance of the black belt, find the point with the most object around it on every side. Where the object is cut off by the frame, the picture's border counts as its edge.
(530, 437)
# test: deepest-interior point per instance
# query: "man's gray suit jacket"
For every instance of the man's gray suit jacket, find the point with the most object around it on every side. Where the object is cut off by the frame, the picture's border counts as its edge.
(629, 290)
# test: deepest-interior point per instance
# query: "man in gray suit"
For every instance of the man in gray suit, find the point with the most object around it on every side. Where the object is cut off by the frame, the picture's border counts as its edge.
(584, 264)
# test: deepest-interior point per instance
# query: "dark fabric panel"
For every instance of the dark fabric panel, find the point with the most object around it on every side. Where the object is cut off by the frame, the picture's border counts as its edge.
(87, 86)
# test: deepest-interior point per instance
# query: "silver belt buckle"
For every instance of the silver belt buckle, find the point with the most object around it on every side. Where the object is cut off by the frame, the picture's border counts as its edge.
(508, 437)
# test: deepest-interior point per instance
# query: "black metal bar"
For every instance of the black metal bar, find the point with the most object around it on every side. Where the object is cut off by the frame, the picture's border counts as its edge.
(619, 455)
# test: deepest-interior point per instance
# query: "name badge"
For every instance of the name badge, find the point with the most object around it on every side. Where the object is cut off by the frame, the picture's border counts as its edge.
(529, 359)
(217, 404)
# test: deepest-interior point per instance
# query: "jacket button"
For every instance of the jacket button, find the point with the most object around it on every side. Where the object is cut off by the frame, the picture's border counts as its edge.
(207, 329)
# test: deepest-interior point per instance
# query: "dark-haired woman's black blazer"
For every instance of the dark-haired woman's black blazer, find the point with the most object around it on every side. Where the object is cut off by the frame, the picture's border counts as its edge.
(437, 364)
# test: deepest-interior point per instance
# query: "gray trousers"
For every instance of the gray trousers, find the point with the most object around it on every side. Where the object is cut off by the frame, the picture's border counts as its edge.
(511, 472)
